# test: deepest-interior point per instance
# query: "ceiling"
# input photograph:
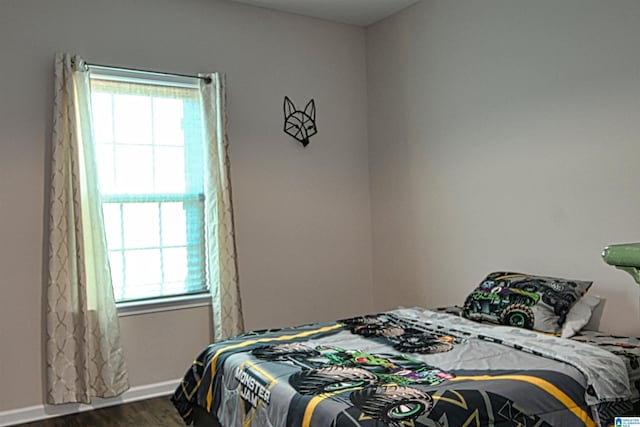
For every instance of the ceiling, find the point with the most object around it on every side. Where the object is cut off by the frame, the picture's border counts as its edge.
(355, 12)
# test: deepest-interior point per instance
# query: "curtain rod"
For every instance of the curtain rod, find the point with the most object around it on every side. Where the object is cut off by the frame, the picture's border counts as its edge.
(206, 79)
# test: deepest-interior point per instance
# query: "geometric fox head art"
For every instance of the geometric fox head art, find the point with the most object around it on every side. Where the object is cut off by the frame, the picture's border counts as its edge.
(300, 124)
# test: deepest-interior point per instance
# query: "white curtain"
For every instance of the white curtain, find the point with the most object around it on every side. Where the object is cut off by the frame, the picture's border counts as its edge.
(84, 355)
(221, 257)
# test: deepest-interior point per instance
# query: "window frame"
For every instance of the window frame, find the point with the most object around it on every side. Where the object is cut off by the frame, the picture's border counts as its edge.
(169, 303)
(161, 302)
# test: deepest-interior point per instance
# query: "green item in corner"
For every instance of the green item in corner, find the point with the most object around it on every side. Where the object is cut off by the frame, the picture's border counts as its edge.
(625, 257)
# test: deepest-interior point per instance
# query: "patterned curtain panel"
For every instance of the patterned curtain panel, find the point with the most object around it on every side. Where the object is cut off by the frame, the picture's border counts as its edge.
(84, 356)
(221, 257)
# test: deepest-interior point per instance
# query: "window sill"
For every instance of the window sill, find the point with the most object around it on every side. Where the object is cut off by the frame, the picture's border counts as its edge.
(181, 302)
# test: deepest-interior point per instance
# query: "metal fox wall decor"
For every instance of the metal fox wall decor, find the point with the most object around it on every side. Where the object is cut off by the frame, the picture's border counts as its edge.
(300, 124)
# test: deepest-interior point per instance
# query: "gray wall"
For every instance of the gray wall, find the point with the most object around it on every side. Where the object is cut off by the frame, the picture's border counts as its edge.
(302, 215)
(504, 135)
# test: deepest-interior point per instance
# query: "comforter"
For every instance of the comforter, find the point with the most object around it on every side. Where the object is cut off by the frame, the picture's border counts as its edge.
(403, 367)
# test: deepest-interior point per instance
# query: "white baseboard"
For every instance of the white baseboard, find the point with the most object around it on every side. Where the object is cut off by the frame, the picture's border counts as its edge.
(40, 412)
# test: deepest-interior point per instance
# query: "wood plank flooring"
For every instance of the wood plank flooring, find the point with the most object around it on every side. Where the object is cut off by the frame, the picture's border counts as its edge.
(157, 412)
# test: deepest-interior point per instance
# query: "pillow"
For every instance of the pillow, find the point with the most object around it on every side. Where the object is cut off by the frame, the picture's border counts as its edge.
(524, 300)
(579, 315)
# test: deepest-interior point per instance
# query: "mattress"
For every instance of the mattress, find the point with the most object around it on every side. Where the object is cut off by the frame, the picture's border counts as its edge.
(407, 367)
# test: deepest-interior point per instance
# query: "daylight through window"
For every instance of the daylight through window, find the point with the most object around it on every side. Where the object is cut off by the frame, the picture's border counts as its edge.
(150, 159)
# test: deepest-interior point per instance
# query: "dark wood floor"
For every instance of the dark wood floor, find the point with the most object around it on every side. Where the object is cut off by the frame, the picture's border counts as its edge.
(158, 412)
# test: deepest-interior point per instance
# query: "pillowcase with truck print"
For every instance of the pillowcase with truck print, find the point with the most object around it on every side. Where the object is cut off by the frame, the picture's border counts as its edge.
(524, 300)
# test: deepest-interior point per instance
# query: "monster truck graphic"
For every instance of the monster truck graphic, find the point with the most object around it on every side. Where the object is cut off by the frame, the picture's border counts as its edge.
(522, 289)
(500, 304)
(379, 384)
(404, 338)
(556, 294)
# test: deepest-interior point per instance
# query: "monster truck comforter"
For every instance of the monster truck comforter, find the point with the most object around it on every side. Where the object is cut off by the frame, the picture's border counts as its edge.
(406, 367)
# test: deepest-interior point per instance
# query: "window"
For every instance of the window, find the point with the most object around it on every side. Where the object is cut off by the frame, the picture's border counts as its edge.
(150, 161)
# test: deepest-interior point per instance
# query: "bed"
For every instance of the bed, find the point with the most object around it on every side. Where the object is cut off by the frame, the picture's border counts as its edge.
(411, 367)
